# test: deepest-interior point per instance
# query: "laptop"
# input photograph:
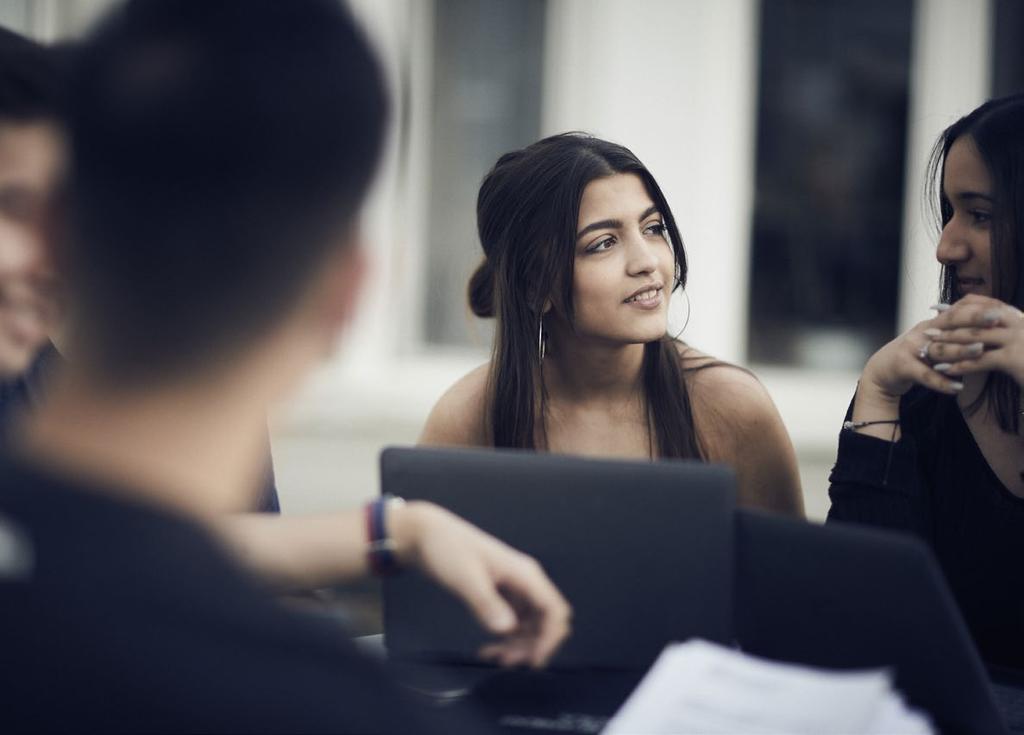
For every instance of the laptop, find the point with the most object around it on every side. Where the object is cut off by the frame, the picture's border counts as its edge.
(849, 597)
(642, 551)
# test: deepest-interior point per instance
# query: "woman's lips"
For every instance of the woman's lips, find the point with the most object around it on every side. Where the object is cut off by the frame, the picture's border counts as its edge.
(647, 300)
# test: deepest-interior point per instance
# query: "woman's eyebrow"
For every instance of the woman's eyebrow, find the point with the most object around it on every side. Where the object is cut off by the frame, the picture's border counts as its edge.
(612, 224)
(966, 196)
(647, 213)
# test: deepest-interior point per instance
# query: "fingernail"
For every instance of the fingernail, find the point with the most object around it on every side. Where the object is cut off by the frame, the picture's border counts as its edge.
(975, 348)
(991, 316)
(933, 333)
(956, 385)
(939, 307)
(942, 367)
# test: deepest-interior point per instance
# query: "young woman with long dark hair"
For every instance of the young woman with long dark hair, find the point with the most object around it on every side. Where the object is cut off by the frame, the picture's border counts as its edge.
(581, 254)
(933, 442)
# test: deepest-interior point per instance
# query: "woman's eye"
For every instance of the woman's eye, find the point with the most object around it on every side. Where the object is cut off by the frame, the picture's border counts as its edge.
(601, 245)
(980, 217)
(655, 228)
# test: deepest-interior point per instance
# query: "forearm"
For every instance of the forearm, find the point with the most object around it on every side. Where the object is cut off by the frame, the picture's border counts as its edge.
(299, 552)
(307, 552)
(878, 482)
(507, 591)
(871, 405)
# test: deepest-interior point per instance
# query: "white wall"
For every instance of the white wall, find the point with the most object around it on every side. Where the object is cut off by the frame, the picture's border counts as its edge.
(950, 77)
(674, 82)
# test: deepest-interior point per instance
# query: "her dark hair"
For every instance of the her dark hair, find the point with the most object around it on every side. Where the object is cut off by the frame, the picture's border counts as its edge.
(527, 215)
(30, 85)
(997, 131)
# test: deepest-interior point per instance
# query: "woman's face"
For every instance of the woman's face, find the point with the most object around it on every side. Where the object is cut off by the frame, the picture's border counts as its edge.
(965, 246)
(624, 264)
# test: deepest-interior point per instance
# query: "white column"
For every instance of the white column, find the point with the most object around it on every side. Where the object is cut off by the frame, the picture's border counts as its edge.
(950, 76)
(674, 81)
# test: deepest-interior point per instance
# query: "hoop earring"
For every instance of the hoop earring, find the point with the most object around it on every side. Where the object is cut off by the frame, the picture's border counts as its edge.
(682, 329)
(541, 342)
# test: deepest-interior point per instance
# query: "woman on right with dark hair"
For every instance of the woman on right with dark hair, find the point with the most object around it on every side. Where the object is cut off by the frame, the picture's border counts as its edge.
(933, 442)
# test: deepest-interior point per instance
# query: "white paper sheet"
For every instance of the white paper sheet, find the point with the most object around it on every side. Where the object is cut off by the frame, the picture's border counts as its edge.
(699, 687)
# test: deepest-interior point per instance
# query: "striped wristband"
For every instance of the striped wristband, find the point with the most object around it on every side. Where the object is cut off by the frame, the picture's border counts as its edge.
(380, 550)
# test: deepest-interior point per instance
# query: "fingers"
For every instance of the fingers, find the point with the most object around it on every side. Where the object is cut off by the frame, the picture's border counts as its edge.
(505, 590)
(983, 363)
(935, 378)
(977, 311)
(514, 651)
(544, 613)
(969, 335)
(480, 594)
(938, 351)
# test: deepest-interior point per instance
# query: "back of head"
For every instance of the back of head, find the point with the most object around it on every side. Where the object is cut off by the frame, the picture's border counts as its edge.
(220, 150)
(29, 80)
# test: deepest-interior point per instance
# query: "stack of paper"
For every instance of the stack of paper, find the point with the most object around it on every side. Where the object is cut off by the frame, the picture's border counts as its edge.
(700, 687)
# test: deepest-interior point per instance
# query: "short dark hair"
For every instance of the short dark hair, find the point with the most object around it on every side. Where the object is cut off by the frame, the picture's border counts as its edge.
(30, 84)
(219, 151)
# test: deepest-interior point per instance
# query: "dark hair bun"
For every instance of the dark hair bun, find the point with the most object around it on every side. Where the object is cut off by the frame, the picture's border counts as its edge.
(481, 290)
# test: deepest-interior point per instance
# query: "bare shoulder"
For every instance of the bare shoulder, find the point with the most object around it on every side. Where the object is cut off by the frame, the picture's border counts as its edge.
(733, 395)
(458, 417)
(739, 425)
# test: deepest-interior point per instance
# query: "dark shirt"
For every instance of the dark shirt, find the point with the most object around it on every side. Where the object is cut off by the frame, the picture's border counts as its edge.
(935, 483)
(119, 617)
(26, 392)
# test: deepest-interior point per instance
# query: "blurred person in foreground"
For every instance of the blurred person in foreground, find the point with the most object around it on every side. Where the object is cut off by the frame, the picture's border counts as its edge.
(213, 259)
(32, 153)
(31, 159)
(293, 553)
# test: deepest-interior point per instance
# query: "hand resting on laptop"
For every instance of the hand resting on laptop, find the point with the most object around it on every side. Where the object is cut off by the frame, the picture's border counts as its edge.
(507, 591)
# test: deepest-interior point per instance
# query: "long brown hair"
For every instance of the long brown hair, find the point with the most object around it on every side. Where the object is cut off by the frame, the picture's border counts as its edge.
(997, 131)
(527, 214)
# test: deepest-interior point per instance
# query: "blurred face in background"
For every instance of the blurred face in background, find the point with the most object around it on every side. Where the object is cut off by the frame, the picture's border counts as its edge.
(31, 158)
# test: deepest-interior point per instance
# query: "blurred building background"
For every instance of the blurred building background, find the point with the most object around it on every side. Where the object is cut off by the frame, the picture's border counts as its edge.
(790, 137)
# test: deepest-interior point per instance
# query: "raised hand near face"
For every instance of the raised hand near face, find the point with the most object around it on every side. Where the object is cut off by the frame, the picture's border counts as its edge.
(979, 334)
(911, 359)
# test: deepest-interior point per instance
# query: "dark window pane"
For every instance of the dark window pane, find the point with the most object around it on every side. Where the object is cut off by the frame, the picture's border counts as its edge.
(1007, 48)
(486, 101)
(831, 136)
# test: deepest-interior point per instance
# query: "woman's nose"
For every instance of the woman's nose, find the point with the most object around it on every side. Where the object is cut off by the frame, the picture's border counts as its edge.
(642, 258)
(953, 245)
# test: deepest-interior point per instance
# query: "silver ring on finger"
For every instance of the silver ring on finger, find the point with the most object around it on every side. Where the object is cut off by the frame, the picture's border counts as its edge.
(922, 354)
